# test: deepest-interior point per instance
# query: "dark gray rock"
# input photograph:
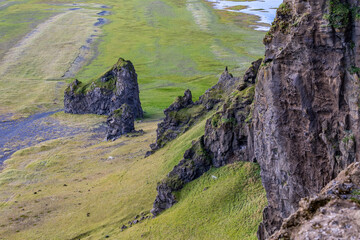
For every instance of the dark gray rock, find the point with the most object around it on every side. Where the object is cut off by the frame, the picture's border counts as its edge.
(179, 116)
(251, 73)
(195, 163)
(227, 139)
(228, 133)
(120, 122)
(306, 116)
(123, 227)
(333, 214)
(183, 112)
(106, 94)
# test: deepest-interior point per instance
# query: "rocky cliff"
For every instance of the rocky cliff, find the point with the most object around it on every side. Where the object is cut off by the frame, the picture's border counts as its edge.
(227, 138)
(333, 214)
(184, 113)
(107, 93)
(301, 120)
(306, 113)
(179, 116)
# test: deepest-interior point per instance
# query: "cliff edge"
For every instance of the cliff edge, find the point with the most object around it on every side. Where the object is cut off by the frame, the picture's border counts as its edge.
(306, 114)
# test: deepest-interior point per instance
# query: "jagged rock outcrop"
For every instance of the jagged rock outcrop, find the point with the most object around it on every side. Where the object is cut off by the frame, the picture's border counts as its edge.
(183, 113)
(306, 114)
(121, 121)
(195, 163)
(219, 91)
(228, 136)
(333, 214)
(227, 139)
(251, 73)
(106, 94)
(179, 116)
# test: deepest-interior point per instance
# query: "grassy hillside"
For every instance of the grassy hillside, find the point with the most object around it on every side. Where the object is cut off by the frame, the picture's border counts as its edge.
(174, 45)
(84, 188)
(81, 187)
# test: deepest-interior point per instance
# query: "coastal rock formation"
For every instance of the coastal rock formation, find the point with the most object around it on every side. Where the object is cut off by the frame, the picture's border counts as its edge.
(195, 163)
(106, 94)
(228, 136)
(333, 214)
(227, 139)
(121, 121)
(179, 116)
(251, 73)
(183, 113)
(306, 112)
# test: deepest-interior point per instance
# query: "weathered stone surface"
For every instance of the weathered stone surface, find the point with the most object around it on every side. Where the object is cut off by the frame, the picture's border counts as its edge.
(183, 113)
(306, 116)
(333, 214)
(104, 95)
(178, 118)
(120, 122)
(227, 139)
(251, 73)
(228, 132)
(195, 162)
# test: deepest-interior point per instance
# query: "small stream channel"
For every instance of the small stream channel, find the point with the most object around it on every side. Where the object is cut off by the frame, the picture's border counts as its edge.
(22, 133)
(264, 9)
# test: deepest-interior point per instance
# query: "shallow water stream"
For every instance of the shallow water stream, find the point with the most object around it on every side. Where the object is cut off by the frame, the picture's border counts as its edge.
(264, 9)
(22, 133)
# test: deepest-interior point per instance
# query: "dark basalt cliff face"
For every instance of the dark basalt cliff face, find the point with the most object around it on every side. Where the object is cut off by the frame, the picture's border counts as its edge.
(228, 134)
(106, 94)
(306, 113)
(227, 139)
(184, 113)
(120, 122)
(177, 120)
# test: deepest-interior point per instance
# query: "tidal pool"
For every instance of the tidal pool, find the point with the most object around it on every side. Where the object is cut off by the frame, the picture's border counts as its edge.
(264, 9)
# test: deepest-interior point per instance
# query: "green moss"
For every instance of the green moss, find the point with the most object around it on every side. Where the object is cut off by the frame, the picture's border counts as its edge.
(250, 115)
(346, 139)
(121, 63)
(213, 94)
(354, 70)
(174, 182)
(284, 9)
(185, 114)
(339, 14)
(355, 200)
(106, 80)
(282, 22)
(356, 192)
(228, 120)
(216, 120)
(118, 112)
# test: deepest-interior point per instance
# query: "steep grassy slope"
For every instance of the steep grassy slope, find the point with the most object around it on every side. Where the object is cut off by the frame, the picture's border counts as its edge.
(174, 45)
(84, 188)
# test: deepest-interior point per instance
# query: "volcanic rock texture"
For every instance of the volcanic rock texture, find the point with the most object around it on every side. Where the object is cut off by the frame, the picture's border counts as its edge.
(306, 114)
(106, 94)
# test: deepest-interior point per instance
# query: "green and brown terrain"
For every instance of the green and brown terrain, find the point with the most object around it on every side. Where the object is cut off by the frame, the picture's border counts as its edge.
(269, 153)
(67, 182)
